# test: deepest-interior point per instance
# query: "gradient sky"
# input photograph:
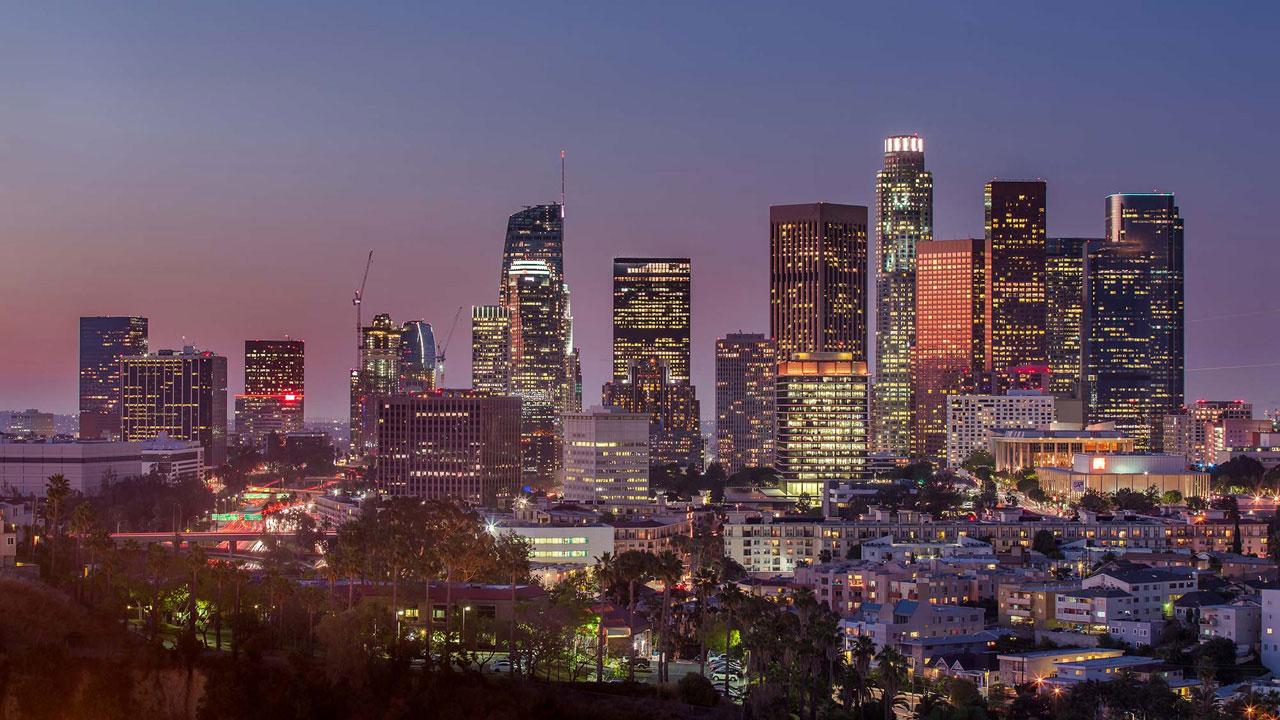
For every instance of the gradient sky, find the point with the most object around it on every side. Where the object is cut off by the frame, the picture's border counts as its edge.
(223, 168)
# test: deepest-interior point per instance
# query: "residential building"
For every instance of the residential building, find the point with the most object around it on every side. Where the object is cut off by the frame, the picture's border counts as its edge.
(972, 419)
(1240, 622)
(183, 394)
(1269, 628)
(952, 335)
(746, 375)
(1152, 590)
(1189, 430)
(103, 342)
(818, 279)
(822, 421)
(887, 549)
(606, 458)
(894, 624)
(904, 219)
(652, 534)
(491, 349)
(1134, 320)
(461, 444)
(1015, 229)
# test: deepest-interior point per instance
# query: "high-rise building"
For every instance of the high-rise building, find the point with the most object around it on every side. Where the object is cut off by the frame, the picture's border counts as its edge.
(675, 426)
(461, 444)
(1134, 324)
(535, 304)
(606, 458)
(746, 375)
(417, 357)
(823, 421)
(1015, 229)
(273, 398)
(491, 349)
(103, 341)
(535, 233)
(651, 314)
(904, 218)
(377, 377)
(818, 278)
(1064, 313)
(183, 394)
(971, 419)
(953, 335)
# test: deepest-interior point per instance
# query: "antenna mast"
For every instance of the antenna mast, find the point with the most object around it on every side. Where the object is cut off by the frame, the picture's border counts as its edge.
(562, 184)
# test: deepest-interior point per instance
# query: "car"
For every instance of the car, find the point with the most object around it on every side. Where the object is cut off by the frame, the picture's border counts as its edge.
(721, 665)
(640, 663)
(500, 665)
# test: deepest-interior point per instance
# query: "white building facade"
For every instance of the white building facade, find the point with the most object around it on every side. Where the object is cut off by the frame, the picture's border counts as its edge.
(972, 418)
(606, 457)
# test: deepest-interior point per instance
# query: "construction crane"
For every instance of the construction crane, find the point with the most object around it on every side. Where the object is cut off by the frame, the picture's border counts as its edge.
(356, 301)
(444, 348)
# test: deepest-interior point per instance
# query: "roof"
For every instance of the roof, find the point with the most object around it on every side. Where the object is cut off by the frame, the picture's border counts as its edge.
(1120, 661)
(1133, 575)
(1199, 598)
(1097, 592)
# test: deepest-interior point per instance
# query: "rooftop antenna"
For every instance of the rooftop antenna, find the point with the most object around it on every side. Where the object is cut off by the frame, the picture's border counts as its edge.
(562, 184)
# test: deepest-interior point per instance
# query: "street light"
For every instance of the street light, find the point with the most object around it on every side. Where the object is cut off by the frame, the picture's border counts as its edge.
(465, 609)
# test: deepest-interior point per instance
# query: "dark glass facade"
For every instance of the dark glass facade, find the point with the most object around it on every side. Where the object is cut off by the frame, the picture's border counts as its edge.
(1064, 313)
(273, 399)
(417, 357)
(183, 394)
(103, 341)
(1135, 327)
(746, 371)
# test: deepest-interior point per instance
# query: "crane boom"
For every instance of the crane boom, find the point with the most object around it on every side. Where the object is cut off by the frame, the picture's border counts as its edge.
(356, 301)
(444, 348)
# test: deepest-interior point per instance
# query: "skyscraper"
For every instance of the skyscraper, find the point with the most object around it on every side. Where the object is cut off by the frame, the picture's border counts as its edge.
(535, 295)
(183, 394)
(904, 217)
(535, 233)
(818, 278)
(1064, 313)
(461, 444)
(1015, 227)
(535, 304)
(823, 421)
(377, 377)
(103, 341)
(746, 374)
(491, 348)
(953, 335)
(417, 357)
(651, 314)
(1134, 303)
(274, 372)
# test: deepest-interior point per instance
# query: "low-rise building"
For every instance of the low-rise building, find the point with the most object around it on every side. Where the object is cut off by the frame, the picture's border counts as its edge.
(1029, 667)
(1136, 632)
(1055, 446)
(886, 549)
(1154, 590)
(652, 534)
(1269, 628)
(891, 624)
(1239, 622)
(25, 466)
(1109, 472)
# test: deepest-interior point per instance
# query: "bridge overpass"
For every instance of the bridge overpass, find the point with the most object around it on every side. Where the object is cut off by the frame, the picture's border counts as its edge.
(204, 537)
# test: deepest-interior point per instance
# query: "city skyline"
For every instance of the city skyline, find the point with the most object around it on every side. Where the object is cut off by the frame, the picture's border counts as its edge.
(306, 275)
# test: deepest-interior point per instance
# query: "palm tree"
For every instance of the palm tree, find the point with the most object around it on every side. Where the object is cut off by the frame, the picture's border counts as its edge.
(705, 580)
(633, 566)
(82, 524)
(731, 599)
(56, 493)
(667, 569)
(892, 668)
(862, 650)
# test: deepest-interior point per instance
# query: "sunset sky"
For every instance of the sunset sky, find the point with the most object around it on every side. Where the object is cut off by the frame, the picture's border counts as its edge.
(223, 168)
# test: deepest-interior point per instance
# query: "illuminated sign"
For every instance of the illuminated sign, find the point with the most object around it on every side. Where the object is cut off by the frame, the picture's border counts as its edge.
(1099, 463)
